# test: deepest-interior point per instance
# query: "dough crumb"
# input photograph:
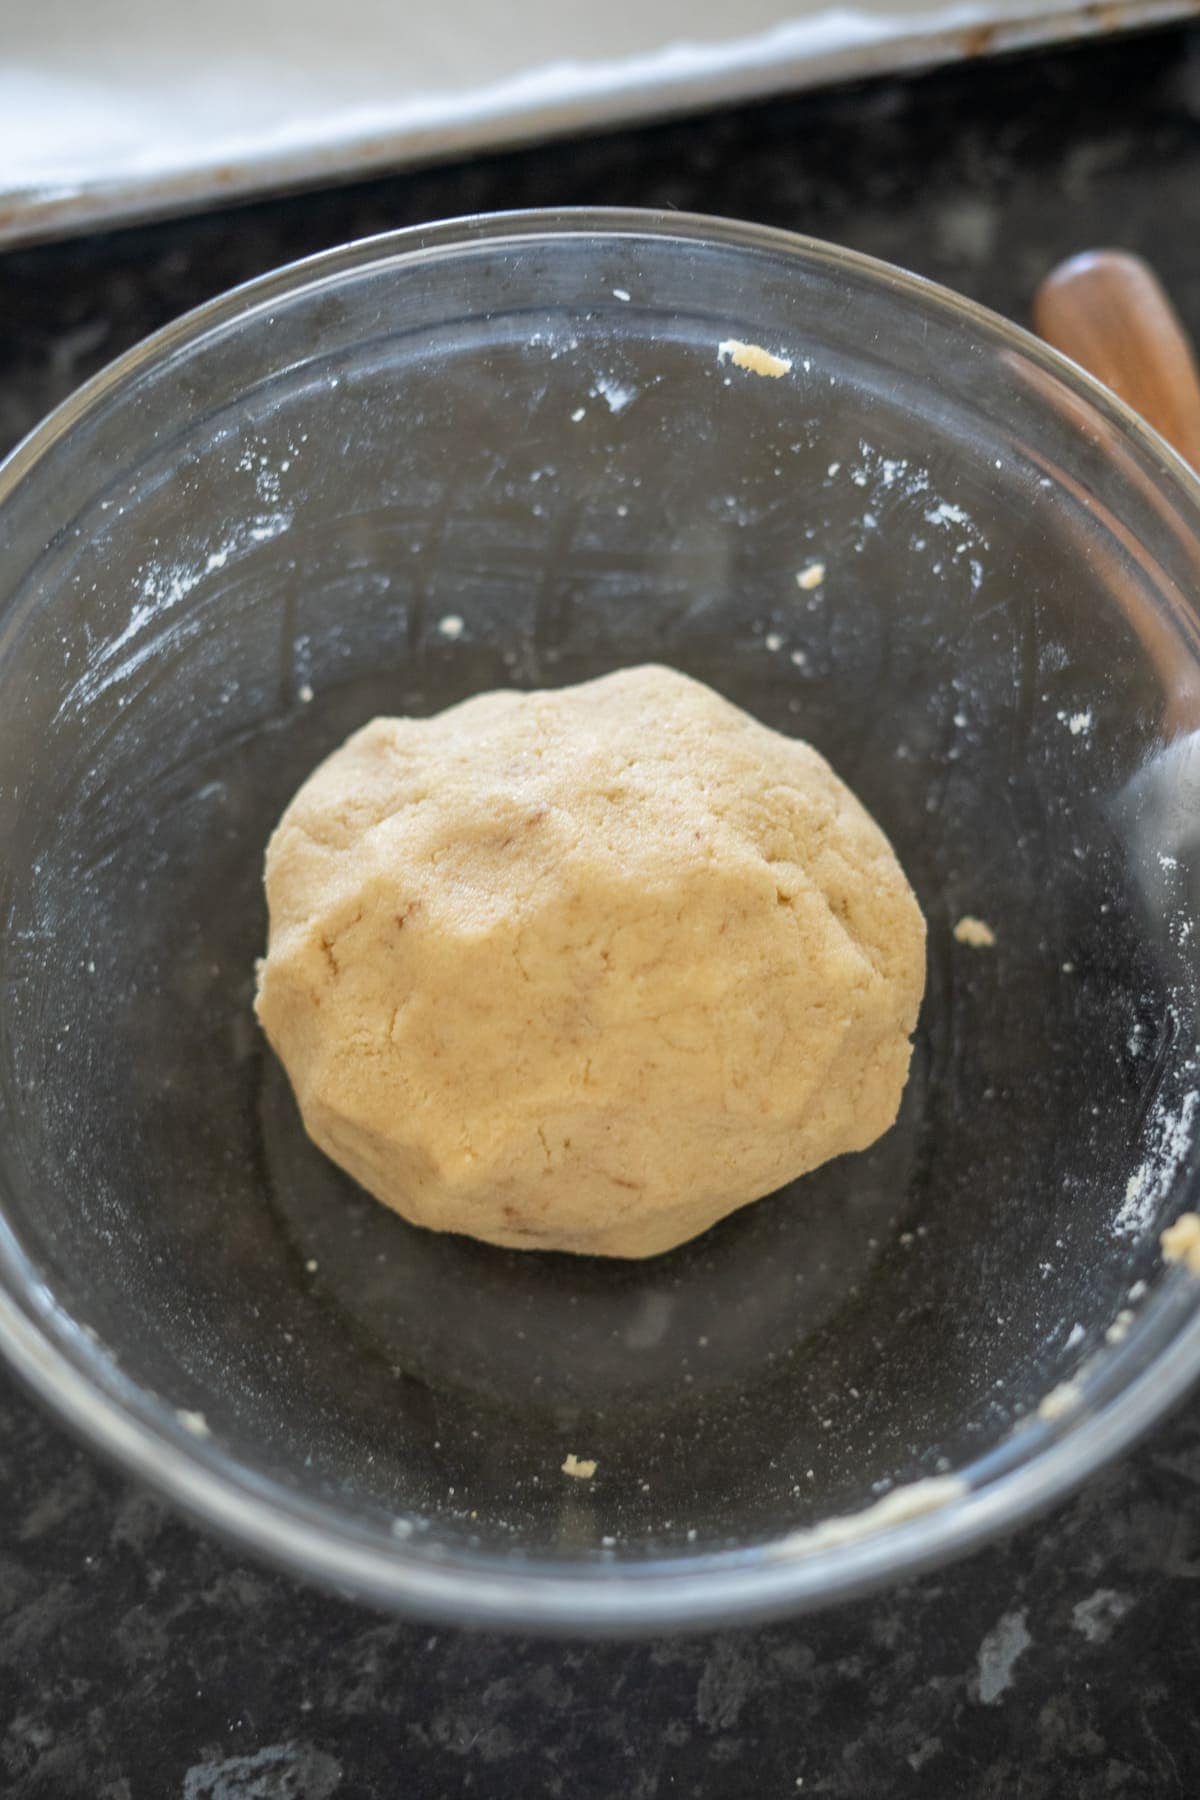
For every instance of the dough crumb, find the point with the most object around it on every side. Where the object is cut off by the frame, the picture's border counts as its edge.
(1060, 1400)
(306, 693)
(581, 1467)
(451, 626)
(195, 1422)
(753, 358)
(1118, 1331)
(810, 577)
(974, 932)
(620, 293)
(1181, 1242)
(895, 1508)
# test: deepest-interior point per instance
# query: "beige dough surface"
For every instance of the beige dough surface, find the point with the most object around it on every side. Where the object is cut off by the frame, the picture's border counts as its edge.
(586, 970)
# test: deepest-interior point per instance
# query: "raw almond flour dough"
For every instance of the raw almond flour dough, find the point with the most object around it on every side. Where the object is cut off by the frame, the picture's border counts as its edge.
(586, 970)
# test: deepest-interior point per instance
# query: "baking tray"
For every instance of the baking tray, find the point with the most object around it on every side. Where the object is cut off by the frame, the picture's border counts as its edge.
(112, 110)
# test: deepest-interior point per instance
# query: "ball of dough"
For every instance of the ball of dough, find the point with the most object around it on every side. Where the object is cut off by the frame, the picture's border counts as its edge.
(586, 970)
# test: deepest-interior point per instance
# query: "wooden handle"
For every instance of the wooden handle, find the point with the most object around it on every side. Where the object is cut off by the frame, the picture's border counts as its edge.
(1107, 310)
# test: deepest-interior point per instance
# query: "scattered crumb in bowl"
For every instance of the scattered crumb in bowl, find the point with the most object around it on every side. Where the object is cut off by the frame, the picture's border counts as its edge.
(1060, 1400)
(581, 1467)
(753, 358)
(451, 626)
(907, 1502)
(974, 932)
(811, 576)
(1181, 1242)
(1069, 1393)
(195, 1422)
(1118, 1331)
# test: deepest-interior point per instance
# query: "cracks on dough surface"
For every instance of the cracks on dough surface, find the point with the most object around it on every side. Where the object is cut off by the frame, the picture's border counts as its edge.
(839, 909)
(587, 1167)
(329, 941)
(348, 833)
(522, 971)
(836, 906)
(821, 843)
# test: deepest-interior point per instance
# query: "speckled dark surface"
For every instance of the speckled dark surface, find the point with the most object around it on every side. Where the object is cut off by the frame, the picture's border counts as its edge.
(140, 1659)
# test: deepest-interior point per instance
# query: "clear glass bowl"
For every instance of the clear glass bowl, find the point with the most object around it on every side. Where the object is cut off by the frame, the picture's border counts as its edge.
(263, 527)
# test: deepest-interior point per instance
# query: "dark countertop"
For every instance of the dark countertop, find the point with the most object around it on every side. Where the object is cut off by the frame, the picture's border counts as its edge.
(140, 1659)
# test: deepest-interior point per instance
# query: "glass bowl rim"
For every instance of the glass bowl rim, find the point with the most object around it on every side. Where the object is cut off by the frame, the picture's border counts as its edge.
(1120, 1395)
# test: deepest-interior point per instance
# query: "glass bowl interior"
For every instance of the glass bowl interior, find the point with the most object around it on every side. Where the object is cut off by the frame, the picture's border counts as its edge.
(512, 452)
